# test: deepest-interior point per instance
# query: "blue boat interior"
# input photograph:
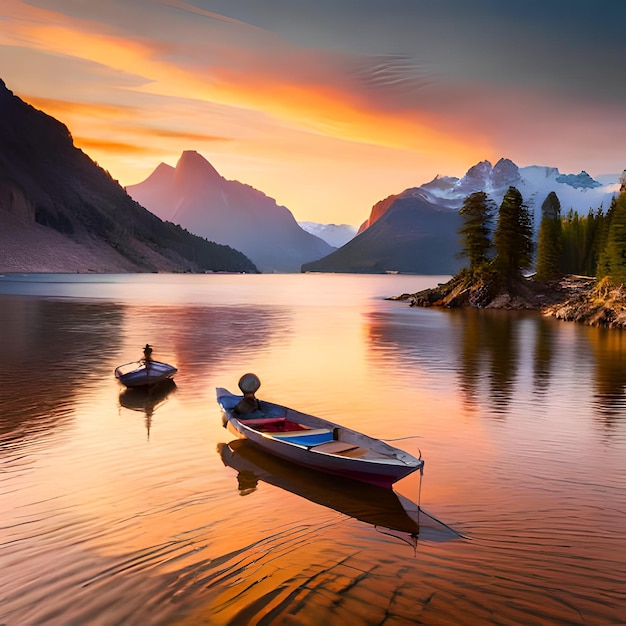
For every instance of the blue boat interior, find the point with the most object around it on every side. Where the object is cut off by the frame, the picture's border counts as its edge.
(304, 439)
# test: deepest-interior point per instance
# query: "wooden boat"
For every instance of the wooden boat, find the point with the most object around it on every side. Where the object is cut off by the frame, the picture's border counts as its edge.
(317, 443)
(380, 507)
(144, 373)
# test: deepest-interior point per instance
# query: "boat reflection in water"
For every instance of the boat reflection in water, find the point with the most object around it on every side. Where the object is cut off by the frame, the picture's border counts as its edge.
(147, 399)
(378, 506)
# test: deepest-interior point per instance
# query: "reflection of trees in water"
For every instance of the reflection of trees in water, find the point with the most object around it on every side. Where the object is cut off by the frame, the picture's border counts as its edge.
(489, 349)
(50, 348)
(609, 347)
(485, 343)
(544, 353)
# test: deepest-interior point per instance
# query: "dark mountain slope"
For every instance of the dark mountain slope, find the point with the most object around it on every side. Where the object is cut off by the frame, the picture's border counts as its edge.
(52, 192)
(411, 235)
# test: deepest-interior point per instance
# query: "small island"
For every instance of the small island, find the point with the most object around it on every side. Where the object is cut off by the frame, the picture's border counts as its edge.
(497, 276)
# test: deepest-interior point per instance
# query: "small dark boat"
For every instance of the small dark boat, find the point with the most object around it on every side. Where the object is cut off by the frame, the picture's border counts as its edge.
(144, 372)
(317, 443)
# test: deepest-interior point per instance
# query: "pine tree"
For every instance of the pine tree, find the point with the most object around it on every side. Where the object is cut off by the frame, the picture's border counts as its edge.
(513, 236)
(593, 237)
(569, 238)
(616, 243)
(550, 240)
(477, 214)
(604, 265)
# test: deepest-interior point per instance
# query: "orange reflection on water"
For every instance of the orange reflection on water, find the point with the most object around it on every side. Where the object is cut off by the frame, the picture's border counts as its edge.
(520, 421)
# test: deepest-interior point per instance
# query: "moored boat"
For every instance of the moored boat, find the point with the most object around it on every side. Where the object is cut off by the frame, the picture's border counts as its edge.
(317, 443)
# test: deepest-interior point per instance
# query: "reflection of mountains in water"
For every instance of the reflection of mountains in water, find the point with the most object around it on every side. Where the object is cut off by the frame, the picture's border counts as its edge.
(368, 503)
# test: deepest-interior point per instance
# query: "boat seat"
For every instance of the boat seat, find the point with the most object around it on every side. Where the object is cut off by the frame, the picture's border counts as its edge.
(335, 447)
(310, 437)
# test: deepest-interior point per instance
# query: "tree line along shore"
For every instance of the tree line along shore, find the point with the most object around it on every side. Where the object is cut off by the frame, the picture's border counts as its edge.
(579, 262)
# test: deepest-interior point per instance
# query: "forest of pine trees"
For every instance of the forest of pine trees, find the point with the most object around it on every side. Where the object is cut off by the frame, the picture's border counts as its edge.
(589, 245)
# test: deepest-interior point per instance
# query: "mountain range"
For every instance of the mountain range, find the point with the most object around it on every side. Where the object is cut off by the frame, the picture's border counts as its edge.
(61, 212)
(416, 231)
(202, 201)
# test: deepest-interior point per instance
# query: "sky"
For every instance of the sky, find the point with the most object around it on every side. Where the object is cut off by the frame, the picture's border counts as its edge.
(327, 106)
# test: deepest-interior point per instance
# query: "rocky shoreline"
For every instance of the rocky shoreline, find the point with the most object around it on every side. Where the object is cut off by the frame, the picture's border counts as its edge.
(580, 299)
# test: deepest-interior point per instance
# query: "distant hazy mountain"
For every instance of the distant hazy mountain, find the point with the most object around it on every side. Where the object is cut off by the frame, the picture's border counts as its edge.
(195, 196)
(60, 212)
(335, 235)
(417, 231)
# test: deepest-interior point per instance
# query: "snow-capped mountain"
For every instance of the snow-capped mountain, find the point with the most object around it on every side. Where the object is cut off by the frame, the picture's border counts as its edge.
(335, 235)
(416, 230)
(579, 192)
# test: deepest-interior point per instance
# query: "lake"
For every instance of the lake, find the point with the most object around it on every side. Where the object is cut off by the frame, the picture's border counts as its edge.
(122, 508)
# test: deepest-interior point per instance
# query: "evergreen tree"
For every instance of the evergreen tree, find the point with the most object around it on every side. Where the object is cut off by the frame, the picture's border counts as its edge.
(570, 228)
(593, 237)
(550, 240)
(513, 236)
(584, 241)
(477, 214)
(615, 250)
(604, 266)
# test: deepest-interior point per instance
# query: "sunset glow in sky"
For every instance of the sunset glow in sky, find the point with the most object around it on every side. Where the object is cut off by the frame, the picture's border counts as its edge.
(326, 106)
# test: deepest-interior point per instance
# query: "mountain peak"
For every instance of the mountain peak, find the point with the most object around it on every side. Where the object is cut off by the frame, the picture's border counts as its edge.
(194, 172)
(505, 174)
(476, 177)
(190, 160)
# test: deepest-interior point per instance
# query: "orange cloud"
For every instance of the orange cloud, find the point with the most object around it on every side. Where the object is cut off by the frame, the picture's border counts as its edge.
(116, 147)
(300, 91)
(102, 145)
(64, 108)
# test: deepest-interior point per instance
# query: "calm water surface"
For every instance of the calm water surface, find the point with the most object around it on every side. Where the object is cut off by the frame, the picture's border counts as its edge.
(123, 509)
